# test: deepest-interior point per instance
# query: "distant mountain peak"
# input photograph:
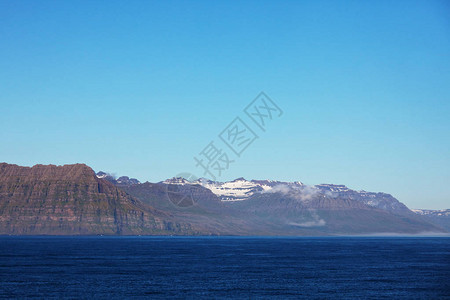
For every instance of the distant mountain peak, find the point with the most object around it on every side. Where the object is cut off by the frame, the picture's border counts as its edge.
(239, 179)
(127, 180)
(102, 174)
(122, 180)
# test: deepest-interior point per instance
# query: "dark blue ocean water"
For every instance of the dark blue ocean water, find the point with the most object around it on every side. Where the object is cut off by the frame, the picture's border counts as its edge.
(161, 267)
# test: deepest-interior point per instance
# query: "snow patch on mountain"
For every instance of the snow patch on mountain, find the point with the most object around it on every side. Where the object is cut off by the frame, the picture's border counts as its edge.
(236, 190)
(431, 212)
(103, 175)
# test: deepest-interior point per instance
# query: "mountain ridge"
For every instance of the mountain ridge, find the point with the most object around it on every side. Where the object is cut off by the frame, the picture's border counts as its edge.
(337, 202)
(74, 200)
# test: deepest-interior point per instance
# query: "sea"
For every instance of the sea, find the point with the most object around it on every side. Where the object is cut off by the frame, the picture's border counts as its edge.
(104, 267)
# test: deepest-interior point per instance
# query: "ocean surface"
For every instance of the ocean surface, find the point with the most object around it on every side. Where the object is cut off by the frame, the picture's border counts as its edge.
(224, 267)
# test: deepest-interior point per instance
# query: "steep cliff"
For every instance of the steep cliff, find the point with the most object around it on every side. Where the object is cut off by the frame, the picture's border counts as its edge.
(70, 199)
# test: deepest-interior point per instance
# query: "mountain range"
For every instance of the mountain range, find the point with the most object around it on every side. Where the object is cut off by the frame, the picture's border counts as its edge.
(74, 200)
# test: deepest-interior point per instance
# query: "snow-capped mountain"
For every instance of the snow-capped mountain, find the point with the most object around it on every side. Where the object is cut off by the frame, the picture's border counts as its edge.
(237, 190)
(241, 189)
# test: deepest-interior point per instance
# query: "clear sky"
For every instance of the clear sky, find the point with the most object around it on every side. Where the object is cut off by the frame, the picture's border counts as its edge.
(139, 88)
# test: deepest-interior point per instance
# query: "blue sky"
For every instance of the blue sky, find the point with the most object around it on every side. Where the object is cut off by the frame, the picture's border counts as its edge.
(139, 88)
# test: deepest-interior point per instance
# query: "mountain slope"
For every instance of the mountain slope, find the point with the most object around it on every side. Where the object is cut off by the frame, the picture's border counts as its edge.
(328, 215)
(204, 210)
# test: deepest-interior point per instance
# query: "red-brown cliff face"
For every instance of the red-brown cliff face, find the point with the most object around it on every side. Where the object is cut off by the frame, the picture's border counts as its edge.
(70, 199)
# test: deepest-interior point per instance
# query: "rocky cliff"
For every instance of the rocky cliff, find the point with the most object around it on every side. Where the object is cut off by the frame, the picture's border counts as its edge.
(70, 199)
